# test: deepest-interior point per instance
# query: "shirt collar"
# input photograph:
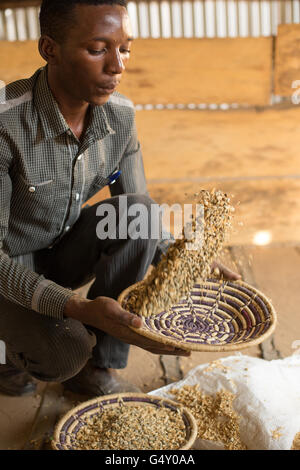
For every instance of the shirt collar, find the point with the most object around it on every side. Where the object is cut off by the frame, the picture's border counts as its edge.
(52, 120)
(98, 126)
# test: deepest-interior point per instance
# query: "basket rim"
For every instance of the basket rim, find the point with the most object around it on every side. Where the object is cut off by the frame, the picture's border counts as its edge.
(209, 347)
(184, 411)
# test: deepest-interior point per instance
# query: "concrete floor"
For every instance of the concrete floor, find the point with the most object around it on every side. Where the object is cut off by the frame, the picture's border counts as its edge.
(254, 156)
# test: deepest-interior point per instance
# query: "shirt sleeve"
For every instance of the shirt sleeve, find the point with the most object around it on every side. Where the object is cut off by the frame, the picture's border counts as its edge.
(133, 180)
(19, 284)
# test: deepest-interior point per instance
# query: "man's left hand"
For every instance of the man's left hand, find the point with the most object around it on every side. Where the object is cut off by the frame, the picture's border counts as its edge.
(226, 273)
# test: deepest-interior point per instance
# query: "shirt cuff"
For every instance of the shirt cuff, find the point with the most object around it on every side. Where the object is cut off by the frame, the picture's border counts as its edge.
(50, 299)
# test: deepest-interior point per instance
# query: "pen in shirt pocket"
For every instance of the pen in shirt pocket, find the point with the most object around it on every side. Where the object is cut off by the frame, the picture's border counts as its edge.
(114, 176)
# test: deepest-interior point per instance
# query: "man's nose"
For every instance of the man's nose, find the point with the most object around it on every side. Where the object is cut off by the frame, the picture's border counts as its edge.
(115, 63)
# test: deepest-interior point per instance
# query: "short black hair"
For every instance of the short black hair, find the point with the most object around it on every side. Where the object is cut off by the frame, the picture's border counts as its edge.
(56, 15)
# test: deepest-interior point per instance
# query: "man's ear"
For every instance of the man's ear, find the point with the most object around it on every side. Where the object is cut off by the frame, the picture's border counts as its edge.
(48, 49)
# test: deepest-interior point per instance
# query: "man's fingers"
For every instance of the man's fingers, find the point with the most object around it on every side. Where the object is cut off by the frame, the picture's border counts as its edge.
(226, 272)
(182, 352)
(230, 274)
(154, 346)
(128, 319)
(169, 352)
(158, 348)
(136, 321)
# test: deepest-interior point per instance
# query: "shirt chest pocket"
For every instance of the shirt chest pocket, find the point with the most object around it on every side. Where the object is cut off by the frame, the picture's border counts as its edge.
(100, 180)
(39, 195)
(96, 184)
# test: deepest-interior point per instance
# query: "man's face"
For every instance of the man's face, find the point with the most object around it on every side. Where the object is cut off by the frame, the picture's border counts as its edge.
(93, 56)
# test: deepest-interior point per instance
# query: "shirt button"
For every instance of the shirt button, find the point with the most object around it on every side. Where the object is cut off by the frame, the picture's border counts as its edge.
(67, 228)
(69, 132)
(32, 189)
(80, 157)
(77, 196)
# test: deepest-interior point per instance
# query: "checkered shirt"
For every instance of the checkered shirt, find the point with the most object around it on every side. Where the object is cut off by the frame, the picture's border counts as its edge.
(46, 174)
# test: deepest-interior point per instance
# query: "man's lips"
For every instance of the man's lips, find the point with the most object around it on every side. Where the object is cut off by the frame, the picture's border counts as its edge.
(108, 87)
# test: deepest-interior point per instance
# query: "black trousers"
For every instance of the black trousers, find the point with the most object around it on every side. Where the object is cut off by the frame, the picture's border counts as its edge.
(56, 350)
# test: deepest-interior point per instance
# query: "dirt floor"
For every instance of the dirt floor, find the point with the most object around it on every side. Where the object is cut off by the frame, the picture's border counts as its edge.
(255, 157)
(27, 423)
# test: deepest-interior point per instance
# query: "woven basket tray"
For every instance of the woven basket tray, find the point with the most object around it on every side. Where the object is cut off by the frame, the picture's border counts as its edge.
(216, 316)
(68, 427)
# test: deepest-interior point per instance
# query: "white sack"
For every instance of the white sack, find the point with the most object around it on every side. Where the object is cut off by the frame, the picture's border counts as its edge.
(267, 397)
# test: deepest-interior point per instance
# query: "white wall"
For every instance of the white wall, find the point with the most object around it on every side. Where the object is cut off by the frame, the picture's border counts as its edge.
(198, 18)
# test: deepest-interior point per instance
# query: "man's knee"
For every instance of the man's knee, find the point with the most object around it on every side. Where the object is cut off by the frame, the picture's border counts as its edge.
(62, 354)
(143, 199)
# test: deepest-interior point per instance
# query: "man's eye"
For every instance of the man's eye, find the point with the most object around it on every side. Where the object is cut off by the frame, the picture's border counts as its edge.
(93, 52)
(125, 51)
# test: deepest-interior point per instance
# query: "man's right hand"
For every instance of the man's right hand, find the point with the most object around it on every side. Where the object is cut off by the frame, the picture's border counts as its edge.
(107, 315)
